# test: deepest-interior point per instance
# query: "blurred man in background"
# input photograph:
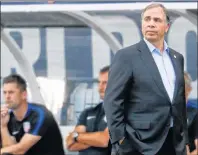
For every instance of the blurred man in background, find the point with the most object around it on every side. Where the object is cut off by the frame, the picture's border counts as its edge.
(192, 117)
(27, 129)
(91, 136)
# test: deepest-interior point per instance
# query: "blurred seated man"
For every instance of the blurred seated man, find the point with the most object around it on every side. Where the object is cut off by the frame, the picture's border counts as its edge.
(26, 128)
(91, 136)
(192, 116)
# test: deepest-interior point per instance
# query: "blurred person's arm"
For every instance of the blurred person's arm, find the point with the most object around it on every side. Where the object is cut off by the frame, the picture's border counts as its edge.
(87, 139)
(23, 146)
(195, 127)
(6, 138)
(80, 127)
(76, 146)
(96, 139)
(195, 152)
(187, 150)
(195, 123)
(194, 132)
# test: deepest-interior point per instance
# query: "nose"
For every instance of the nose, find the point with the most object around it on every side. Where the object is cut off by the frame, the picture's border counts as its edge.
(7, 96)
(151, 23)
(100, 86)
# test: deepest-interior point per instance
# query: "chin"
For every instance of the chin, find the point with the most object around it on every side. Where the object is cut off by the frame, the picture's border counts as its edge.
(102, 97)
(152, 39)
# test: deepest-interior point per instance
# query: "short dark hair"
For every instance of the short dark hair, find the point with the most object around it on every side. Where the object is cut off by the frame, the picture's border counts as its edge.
(105, 69)
(155, 5)
(15, 78)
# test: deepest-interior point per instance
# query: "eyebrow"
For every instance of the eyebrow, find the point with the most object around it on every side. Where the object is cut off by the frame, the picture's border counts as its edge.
(153, 17)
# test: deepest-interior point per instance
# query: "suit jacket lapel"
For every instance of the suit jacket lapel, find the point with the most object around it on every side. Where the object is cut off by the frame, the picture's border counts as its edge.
(152, 67)
(177, 69)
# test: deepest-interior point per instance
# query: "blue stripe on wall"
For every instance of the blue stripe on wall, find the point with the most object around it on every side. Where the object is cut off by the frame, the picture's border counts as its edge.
(16, 35)
(40, 66)
(118, 36)
(191, 54)
(78, 52)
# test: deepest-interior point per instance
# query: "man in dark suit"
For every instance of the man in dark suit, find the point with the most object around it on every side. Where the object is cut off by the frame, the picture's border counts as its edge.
(145, 96)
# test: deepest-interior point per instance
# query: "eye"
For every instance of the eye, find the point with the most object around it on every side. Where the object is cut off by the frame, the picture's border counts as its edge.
(147, 18)
(157, 20)
(11, 92)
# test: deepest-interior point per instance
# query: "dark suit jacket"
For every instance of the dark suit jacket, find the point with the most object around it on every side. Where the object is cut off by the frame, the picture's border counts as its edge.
(137, 105)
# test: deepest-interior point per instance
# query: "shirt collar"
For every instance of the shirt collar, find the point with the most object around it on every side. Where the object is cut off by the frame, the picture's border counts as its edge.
(153, 48)
(101, 101)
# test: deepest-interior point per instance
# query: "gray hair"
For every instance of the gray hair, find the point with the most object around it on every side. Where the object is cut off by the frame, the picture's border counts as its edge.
(155, 5)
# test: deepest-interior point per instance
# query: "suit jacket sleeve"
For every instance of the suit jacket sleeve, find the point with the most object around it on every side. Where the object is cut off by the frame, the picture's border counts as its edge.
(117, 88)
(185, 126)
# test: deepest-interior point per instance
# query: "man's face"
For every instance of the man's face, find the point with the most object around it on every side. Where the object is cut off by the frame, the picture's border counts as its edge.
(102, 84)
(13, 96)
(154, 24)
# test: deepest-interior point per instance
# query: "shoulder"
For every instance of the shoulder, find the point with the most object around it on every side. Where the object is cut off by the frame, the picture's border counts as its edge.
(91, 110)
(38, 111)
(37, 107)
(127, 53)
(129, 50)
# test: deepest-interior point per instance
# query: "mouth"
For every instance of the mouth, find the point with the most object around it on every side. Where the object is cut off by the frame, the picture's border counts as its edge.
(8, 102)
(153, 32)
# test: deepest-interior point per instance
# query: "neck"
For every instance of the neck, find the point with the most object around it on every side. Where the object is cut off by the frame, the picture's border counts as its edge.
(21, 111)
(159, 44)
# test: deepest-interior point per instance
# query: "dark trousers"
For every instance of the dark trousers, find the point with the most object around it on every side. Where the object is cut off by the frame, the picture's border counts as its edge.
(166, 149)
(168, 146)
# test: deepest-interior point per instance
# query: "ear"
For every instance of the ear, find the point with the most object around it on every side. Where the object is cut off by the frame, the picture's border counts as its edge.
(167, 27)
(24, 95)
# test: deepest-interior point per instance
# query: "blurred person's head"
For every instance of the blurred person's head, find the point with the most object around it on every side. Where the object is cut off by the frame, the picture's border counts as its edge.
(102, 81)
(188, 86)
(155, 22)
(14, 91)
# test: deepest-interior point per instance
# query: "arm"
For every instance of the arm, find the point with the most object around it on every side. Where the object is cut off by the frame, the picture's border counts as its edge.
(76, 146)
(119, 77)
(196, 149)
(85, 139)
(23, 146)
(195, 127)
(6, 138)
(96, 139)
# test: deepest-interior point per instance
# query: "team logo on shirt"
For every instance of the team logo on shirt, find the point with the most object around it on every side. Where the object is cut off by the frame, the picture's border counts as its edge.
(15, 133)
(26, 126)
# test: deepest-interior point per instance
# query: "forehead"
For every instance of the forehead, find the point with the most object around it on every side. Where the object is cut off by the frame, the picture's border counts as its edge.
(156, 12)
(103, 76)
(11, 85)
